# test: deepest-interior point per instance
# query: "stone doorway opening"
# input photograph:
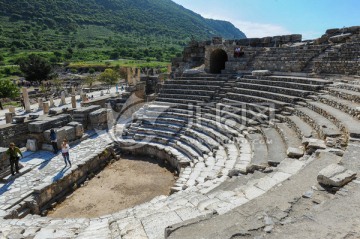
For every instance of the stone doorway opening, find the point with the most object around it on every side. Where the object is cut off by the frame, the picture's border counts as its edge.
(217, 61)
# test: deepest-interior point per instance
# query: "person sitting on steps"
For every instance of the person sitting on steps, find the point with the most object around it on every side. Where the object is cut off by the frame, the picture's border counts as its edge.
(14, 156)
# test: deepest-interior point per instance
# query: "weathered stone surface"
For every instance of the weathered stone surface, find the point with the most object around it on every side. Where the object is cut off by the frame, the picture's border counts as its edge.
(339, 38)
(48, 123)
(335, 175)
(261, 73)
(32, 145)
(294, 152)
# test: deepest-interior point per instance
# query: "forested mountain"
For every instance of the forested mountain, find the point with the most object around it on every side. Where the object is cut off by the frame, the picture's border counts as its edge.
(118, 26)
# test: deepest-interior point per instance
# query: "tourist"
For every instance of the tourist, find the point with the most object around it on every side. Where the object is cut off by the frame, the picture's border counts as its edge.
(53, 139)
(22, 102)
(1, 107)
(14, 156)
(65, 152)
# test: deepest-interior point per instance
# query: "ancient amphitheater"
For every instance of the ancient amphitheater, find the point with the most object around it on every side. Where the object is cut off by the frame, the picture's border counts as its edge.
(248, 139)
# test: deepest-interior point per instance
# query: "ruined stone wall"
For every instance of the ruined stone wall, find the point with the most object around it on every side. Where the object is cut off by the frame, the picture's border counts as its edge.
(17, 133)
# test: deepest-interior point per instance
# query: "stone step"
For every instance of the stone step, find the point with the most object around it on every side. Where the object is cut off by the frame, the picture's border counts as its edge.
(194, 82)
(340, 118)
(167, 85)
(256, 110)
(345, 94)
(275, 104)
(301, 80)
(185, 148)
(301, 127)
(198, 146)
(285, 84)
(266, 94)
(259, 150)
(174, 100)
(347, 106)
(322, 125)
(185, 96)
(216, 135)
(289, 136)
(276, 89)
(179, 90)
(275, 145)
(202, 138)
(241, 116)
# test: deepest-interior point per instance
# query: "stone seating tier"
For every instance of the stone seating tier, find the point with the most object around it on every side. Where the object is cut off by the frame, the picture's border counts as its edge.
(259, 158)
(193, 87)
(278, 105)
(345, 94)
(180, 90)
(284, 84)
(275, 146)
(275, 89)
(341, 119)
(194, 82)
(347, 106)
(183, 102)
(301, 80)
(266, 94)
(289, 136)
(322, 125)
(302, 129)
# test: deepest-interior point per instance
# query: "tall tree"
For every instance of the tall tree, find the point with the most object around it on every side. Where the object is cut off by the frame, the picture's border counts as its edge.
(109, 77)
(35, 68)
(8, 90)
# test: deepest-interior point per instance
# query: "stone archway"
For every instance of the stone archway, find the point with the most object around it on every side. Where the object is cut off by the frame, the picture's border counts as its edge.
(217, 61)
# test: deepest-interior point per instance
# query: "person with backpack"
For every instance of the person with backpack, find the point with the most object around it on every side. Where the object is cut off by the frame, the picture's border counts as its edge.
(14, 154)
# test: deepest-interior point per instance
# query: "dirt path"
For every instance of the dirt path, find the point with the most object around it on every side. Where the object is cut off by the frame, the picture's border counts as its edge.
(125, 183)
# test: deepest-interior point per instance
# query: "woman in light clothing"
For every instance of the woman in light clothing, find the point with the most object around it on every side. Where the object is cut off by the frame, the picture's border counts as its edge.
(65, 152)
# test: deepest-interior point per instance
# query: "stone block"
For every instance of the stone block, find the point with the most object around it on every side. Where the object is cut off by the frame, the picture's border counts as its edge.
(31, 145)
(50, 122)
(79, 129)
(335, 175)
(47, 147)
(294, 152)
(261, 73)
(339, 38)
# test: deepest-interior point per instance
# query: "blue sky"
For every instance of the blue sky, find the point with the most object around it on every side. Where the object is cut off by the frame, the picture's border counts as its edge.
(260, 18)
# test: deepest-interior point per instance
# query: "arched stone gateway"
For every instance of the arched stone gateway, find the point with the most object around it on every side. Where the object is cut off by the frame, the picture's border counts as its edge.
(217, 61)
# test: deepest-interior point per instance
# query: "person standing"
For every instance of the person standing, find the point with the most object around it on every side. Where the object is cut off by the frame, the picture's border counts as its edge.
(53, 139)
(14, 156)
(65, 152)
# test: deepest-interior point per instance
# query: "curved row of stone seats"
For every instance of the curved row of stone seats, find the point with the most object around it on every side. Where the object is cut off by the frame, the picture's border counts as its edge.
(258, 112)
(342, 120)
(210, 88)
(247, 98)
(321, 124)
(199, 98)
(283, 83)
(181, 90)
(352, 108)
(345, 94)
(291, 140)
(294, 79)
(275, 146)
(302, 129)
(280, 90)
(266, 94)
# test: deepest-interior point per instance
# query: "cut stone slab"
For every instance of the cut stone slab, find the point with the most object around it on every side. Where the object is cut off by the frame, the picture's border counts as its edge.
(261, 73)
(335, 175)
(294, 152)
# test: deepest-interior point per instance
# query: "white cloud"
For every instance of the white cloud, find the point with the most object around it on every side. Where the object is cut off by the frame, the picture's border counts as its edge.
(255, 29)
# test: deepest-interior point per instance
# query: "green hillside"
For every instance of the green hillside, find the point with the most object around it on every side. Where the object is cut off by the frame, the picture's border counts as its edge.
(77, 30)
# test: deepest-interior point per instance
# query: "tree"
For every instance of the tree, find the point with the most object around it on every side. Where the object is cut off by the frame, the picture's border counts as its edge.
(8, 90)
(35, 68)
(90, 80)
(109, 77)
